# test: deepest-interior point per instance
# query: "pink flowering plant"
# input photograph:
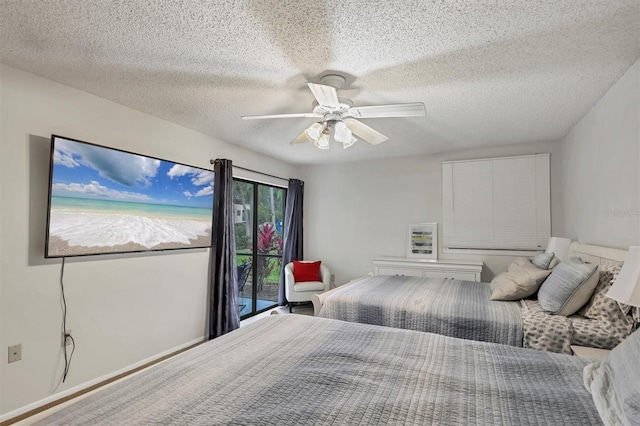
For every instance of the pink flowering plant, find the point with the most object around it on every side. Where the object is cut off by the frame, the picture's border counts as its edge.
(269, 242)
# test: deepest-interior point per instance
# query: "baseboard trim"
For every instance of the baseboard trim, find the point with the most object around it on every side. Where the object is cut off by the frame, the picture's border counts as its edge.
(51, 401)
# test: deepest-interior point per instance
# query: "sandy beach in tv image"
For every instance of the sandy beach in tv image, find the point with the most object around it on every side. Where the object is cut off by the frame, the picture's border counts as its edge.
(109, 201)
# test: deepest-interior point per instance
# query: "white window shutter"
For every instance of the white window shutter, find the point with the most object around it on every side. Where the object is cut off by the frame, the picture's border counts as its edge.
(543, 200)
(497, 204)
(472, 201)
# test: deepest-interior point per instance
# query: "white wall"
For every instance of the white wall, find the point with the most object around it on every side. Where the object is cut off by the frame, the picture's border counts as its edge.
(355, 212)
(601, 165)
(122, 309)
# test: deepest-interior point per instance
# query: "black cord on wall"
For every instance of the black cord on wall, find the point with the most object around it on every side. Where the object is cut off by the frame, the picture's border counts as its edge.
(67, 357)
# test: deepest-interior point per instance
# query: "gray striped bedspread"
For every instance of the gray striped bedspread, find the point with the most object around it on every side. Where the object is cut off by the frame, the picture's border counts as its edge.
(299, 370)
(450, 307)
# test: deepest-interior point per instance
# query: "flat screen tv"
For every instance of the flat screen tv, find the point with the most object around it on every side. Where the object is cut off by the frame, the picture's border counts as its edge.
(104, 200)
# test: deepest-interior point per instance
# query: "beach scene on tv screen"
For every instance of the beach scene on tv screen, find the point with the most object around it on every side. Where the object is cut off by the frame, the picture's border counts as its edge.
(109, 201)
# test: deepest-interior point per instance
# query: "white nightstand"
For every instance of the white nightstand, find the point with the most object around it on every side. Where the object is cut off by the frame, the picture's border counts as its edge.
(591, 353)
(466, 270)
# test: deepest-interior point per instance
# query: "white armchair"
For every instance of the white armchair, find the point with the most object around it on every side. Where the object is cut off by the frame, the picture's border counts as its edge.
(304, 291)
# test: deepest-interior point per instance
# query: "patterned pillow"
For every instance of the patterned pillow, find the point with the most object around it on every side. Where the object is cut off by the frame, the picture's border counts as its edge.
(551, 333)
(598, 333)
(568, 288)
(542, 260)
(613, 383)
(601, 306)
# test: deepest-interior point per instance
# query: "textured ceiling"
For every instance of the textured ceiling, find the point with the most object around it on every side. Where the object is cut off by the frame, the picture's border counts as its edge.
(488, 72)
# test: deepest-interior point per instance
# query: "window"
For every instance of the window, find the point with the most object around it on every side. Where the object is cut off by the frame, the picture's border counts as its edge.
(496, 204)
(259, 224)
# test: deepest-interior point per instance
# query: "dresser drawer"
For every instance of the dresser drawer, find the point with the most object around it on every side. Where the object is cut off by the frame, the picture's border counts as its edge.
(464, 270)
(408, 272)
(455, 275)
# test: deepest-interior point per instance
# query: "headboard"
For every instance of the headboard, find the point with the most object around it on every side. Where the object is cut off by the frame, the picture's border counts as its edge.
(597, 255)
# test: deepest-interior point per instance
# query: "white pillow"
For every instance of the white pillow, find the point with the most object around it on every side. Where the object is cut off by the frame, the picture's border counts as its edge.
(521, 280)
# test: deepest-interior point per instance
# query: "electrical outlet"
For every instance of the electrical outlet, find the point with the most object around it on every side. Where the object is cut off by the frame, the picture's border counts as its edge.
(15, 353)
(333, 278)
(66, 338)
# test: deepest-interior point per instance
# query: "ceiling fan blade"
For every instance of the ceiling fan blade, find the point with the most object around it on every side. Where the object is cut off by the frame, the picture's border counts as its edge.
(300, 114)
(301, 138)
(367, 133)
(325, 95)
(395, 110)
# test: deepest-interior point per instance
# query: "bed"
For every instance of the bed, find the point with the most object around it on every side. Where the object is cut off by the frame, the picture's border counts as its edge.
(443, 306)
(294, 369)
(463, 309)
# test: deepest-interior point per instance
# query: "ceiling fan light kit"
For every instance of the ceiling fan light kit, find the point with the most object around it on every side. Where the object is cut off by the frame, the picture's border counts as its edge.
(346, 145)
(338, 116)
(341, 133)
(323, 141)
(320, 134)
(314, 131)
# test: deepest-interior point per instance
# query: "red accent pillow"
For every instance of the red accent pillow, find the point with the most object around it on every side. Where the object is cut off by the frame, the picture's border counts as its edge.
(306, 271)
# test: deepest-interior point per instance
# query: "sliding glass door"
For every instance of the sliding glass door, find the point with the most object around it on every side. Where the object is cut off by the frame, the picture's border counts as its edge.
(259, 220)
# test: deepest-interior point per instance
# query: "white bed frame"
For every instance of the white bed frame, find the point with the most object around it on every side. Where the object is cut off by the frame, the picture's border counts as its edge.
(318, 299)
(597, 255)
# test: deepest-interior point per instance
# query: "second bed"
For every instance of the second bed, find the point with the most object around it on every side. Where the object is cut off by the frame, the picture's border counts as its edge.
(463, 309)
(449, 307)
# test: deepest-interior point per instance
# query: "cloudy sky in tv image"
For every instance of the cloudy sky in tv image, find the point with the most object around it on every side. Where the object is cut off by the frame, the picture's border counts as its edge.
(86, 171)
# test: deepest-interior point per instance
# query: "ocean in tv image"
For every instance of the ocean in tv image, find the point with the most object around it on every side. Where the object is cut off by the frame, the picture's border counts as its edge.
(109, 201)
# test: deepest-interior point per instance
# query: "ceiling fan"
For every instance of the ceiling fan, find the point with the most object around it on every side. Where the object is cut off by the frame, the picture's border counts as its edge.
(338, 116)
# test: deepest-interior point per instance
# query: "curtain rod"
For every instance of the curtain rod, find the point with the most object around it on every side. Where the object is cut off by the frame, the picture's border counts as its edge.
(253, 171)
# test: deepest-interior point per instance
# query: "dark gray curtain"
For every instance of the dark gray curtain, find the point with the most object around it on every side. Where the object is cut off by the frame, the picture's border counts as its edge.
(292, 247)
(223, 289)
